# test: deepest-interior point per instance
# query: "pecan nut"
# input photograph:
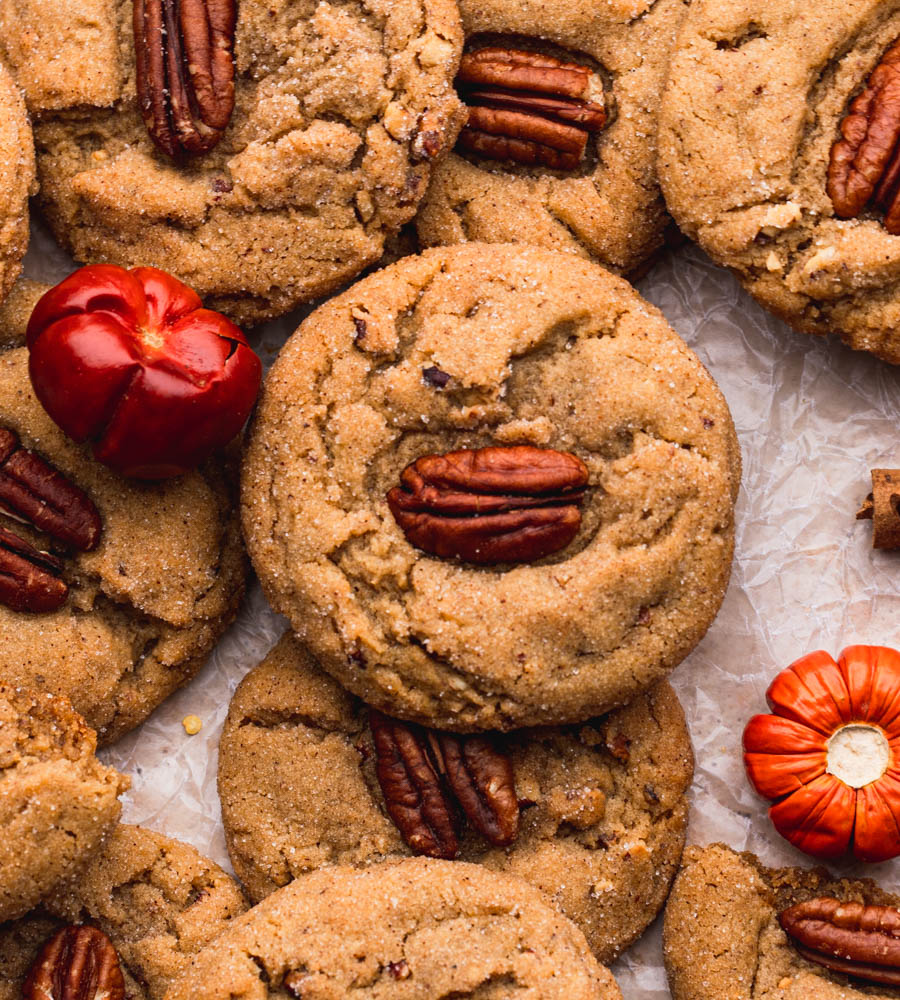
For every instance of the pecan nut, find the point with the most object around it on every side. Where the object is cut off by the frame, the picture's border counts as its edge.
(882, 507)
(29, 579)
(529, 108)
(78, 963)
(865, 162)
(851, 938)
(427, 777)
(184, 68)
(491, 505)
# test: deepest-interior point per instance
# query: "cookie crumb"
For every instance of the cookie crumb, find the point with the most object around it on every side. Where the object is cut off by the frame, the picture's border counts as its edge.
(192, 724)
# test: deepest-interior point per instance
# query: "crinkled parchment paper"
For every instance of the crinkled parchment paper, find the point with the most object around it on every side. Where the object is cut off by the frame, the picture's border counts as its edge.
(813, 419)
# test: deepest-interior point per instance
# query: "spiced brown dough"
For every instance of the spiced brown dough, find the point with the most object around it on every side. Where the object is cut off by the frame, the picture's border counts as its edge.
(16, 180)
(57, 801)
(157, 899)
(341, 110)
(609, 209)
(147, 606)
(601, 833)
(412, 928)
(756, 96)
(541, 349)
(722, 939)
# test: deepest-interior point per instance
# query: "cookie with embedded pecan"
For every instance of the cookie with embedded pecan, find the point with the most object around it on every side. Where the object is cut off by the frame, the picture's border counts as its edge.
(594, 814)
(112, 592)
(155, 900)
(262, 153)
(16, 180)
(417, 927)
(57, 801)
(736, 929)
(560, 145)
(491, 488)
(778, 154)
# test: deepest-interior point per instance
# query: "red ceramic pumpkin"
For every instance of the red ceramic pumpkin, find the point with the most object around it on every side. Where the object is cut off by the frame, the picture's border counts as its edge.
(829, 755)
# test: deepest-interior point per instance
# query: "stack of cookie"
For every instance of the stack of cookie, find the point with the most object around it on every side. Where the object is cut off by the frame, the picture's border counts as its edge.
(488, 487)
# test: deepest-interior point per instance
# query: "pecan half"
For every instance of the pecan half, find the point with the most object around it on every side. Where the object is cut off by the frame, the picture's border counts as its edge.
(78, 963)
(427, 776)
(527, 107)
(184, 68)
(852, 938)
(865, 162)
(882, 507)
(491, 505)
(29, 579)
(32, 490)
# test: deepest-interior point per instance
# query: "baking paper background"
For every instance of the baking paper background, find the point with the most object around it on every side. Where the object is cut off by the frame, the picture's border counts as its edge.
(813, 418)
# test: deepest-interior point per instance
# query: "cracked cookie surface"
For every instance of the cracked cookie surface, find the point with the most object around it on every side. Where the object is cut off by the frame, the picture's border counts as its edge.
(601, 833)
(147, 606)
(57, 801)
(541, 349)
(341, 109)
(610, 209)
(755, 100)
(414, 928)
(157, 899)
(722, 939)
(16, 180)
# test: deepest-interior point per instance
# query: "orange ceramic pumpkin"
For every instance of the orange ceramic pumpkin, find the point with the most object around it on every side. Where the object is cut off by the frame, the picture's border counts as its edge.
(829, 756)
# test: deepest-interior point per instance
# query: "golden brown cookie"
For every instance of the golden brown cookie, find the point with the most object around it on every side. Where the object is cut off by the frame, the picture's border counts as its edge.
(16, 180)
(146, 606)
(479, 346)
(759, 104)
(57, 801)
(340, 112)
(608, 206)
(722, 937)
(600, 832)
(158, 900)
(413, 928)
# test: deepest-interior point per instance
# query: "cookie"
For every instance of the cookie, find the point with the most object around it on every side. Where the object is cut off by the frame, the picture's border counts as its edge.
(608, 206)
(601, 833)
(722, 937)
(146, 606)
(158, 900)
(502, 347)
(755, 110)
(58, 801)
(419, 927)
(16, 180)
(339, 115)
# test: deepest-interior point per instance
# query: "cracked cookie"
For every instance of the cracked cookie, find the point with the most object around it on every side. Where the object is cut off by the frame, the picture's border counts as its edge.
(158, 900)
(723, 938)
(16, 180)
(776, 146)
(57, 801)
(546, 396)
(602, 817)
(119, 599)
(560, 147)
(339, 112)
(416, 927)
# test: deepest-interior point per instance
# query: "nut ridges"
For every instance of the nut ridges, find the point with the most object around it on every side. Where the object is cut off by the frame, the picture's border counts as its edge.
(78, 963)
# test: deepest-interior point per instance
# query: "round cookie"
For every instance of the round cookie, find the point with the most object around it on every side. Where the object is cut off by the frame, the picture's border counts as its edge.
(756, 99)
(722, 938)
(609, 208)
(57, 801)
(417, 927)
(146, 607)
(601, 835)
(340, 111)
(462, 348)
(157, 899)
(16, 180)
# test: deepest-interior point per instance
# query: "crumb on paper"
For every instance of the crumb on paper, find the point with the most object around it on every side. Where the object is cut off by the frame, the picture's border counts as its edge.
(192, 724)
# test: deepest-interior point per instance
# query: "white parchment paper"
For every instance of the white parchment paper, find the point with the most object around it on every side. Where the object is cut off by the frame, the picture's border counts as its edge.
(813, 418)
